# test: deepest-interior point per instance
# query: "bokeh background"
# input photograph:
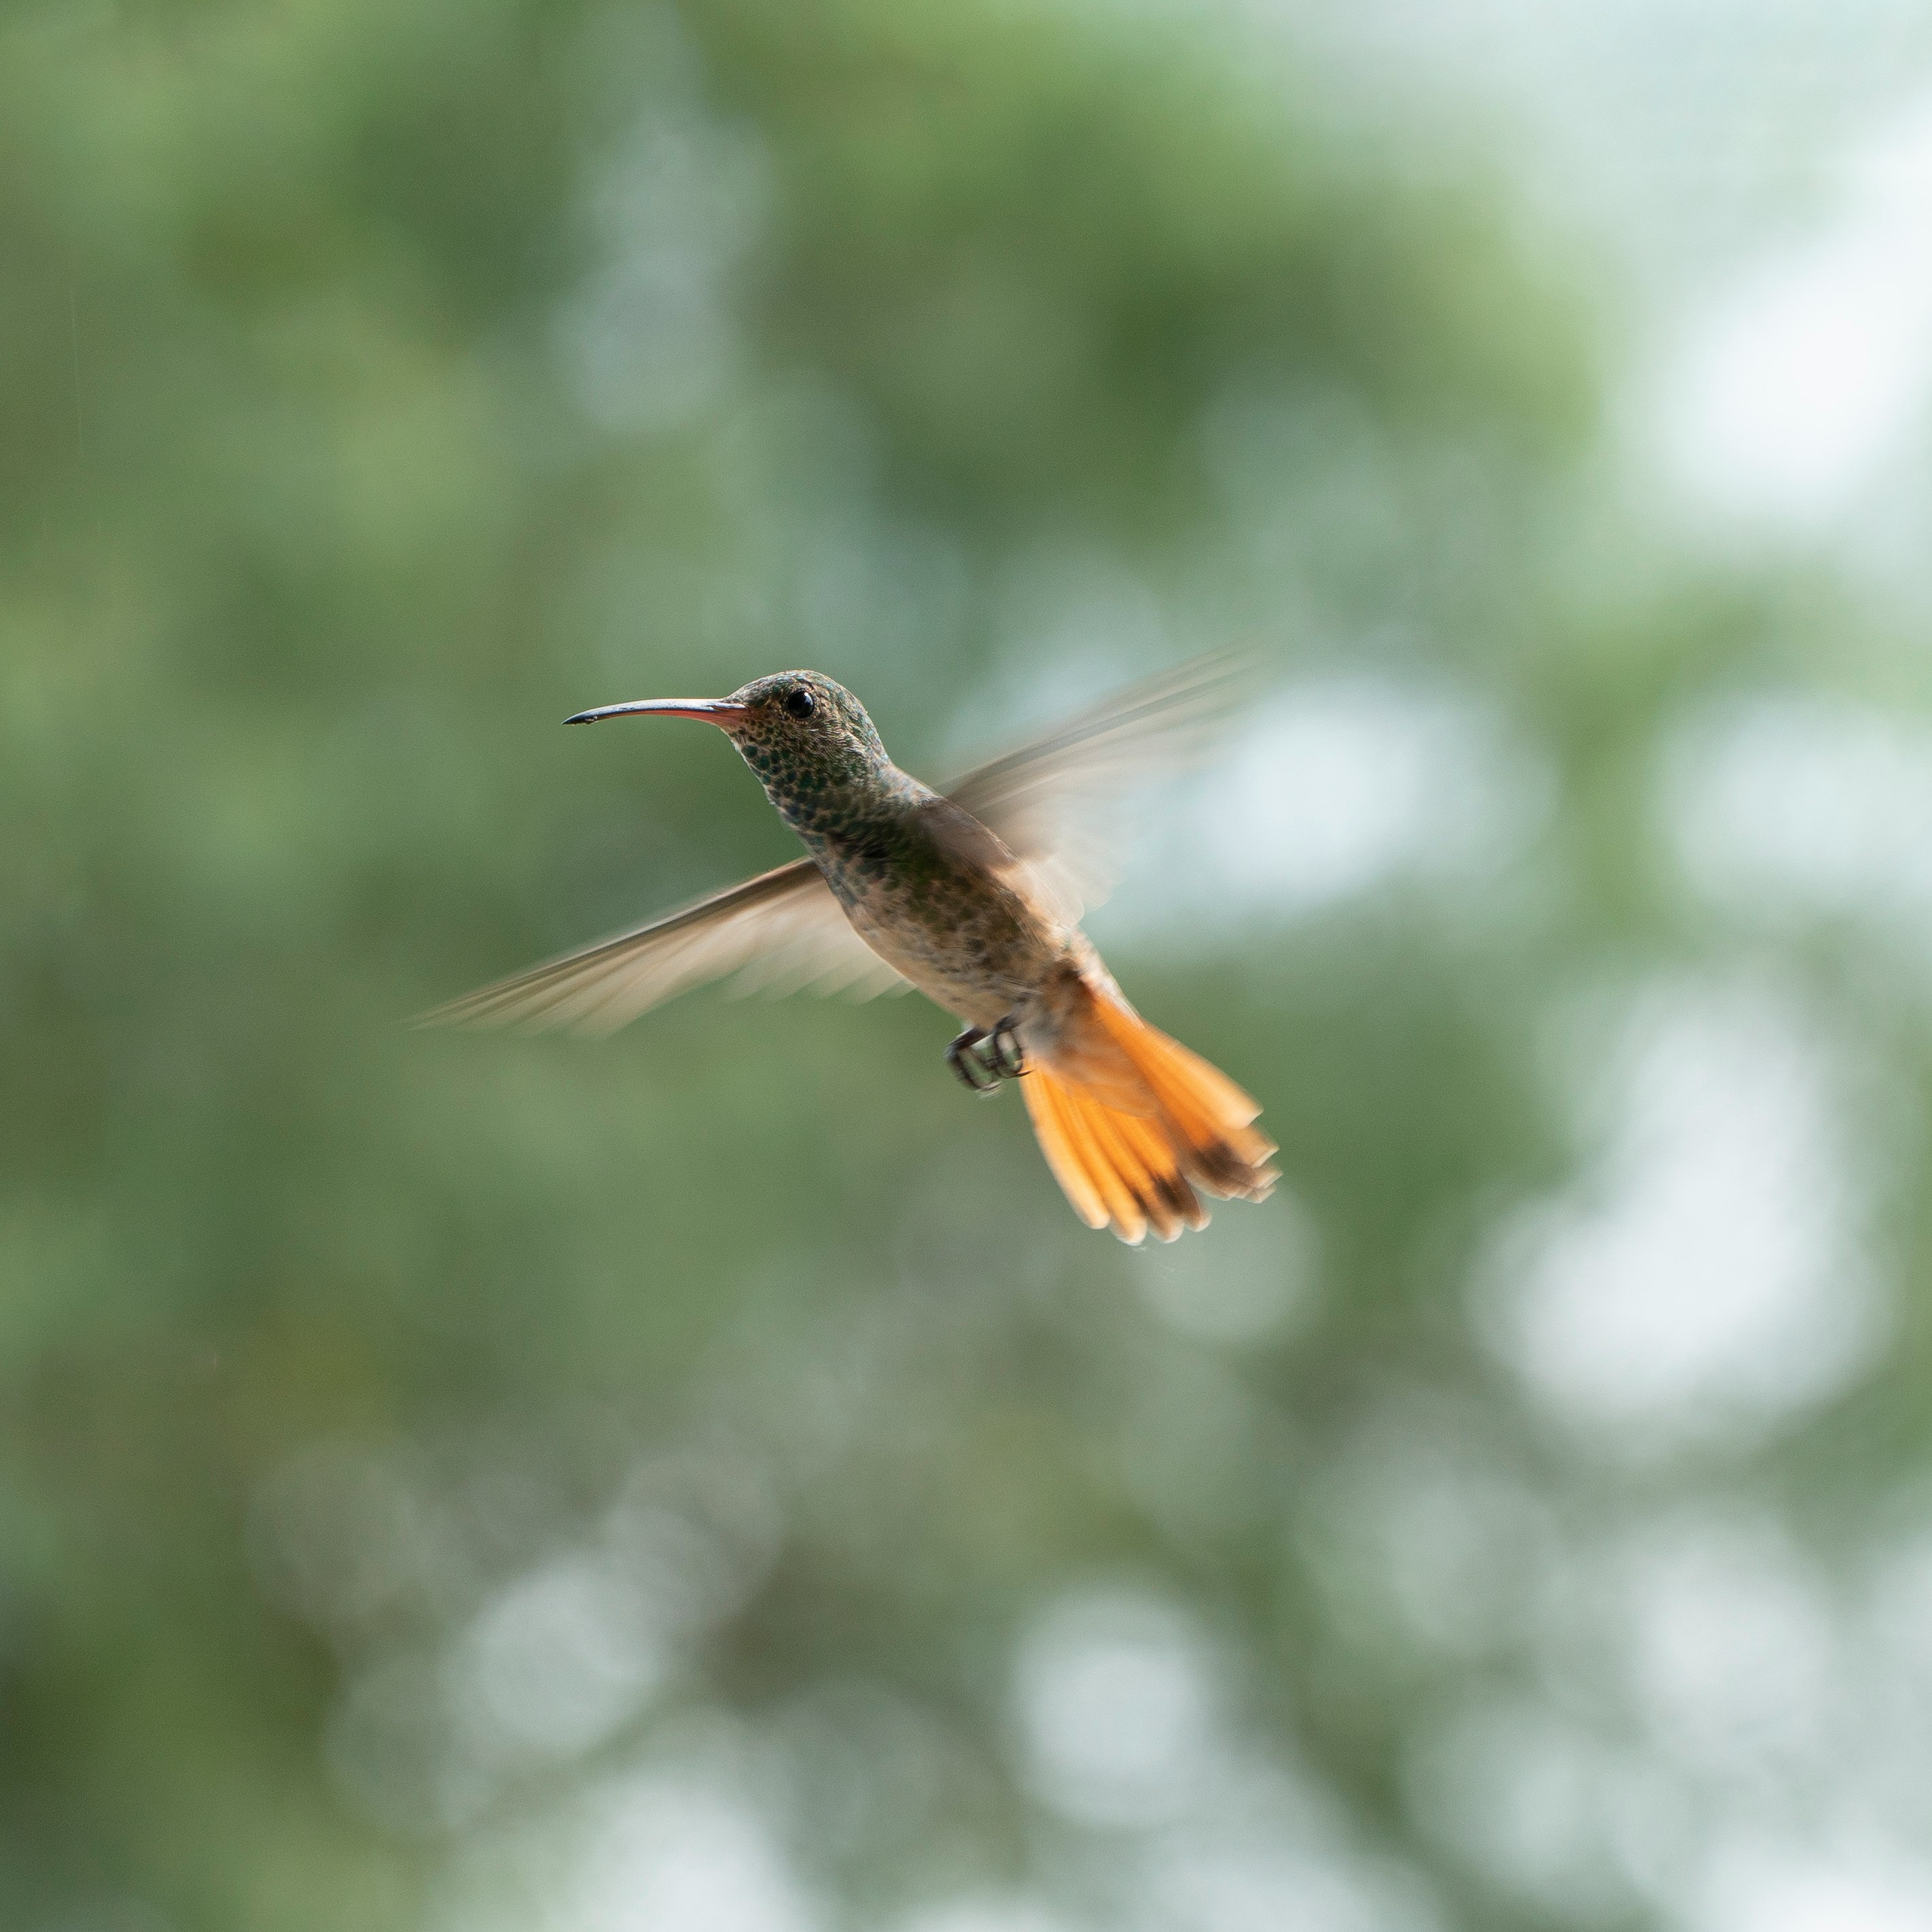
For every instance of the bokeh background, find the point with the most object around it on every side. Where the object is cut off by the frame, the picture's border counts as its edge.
(706, 1481)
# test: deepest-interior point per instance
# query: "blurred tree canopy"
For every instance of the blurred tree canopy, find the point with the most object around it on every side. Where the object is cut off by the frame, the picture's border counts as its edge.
(420, 1449)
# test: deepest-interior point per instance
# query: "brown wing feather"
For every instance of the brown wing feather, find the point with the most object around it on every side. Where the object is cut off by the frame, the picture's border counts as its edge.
(1055, 802)
(784, 927)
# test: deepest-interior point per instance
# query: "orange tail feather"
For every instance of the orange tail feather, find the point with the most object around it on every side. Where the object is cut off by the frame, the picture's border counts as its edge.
(1184, 1125)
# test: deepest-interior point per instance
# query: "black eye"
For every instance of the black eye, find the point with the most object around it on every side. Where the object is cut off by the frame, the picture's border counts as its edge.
(799, 702)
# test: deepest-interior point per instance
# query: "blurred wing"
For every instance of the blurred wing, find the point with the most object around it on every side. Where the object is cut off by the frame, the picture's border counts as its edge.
(780, 932)
(1058, 803)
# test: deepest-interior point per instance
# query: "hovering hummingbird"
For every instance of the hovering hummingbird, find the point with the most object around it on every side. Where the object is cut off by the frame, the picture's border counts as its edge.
(974, 897)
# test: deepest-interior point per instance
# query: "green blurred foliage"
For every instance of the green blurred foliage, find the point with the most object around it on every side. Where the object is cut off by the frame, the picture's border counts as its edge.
(383, 382)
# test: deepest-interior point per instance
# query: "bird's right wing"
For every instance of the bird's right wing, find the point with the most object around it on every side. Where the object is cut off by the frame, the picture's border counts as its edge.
(781, 931)
(1058, 803)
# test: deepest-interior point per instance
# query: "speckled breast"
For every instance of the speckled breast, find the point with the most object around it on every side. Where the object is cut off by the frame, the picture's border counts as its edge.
(928, 888)
(978, 952)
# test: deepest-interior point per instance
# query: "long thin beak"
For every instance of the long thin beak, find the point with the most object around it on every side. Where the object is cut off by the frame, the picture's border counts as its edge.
(712, 710)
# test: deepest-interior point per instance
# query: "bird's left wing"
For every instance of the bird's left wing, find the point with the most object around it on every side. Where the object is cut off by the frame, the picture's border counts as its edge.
(780, 932)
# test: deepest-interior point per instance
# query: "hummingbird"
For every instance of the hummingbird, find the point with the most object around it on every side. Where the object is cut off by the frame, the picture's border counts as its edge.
(973, 896)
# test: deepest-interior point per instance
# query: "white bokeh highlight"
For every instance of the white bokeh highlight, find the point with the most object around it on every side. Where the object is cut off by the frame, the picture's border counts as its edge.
(1787, 807)
(1709, 1275)
(1115, 1710)
(1803, 379)
(559, 1659)
(1329, 791)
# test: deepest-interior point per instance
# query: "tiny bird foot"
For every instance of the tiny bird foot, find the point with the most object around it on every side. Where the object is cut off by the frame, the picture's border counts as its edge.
(966, 1062)
(1003, 1054)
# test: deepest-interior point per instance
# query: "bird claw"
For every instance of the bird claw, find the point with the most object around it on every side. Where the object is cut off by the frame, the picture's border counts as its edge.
(972, 1072)
(1002, 1053)
(981, 1060)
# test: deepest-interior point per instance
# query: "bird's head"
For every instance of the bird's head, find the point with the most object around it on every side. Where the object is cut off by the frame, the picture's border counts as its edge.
(808, 738)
